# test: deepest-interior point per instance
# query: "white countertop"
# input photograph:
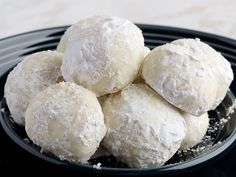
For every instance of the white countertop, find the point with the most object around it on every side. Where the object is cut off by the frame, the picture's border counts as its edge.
(215, 16)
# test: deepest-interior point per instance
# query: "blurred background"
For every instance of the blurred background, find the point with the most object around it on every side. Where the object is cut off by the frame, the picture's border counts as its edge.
(215, 16)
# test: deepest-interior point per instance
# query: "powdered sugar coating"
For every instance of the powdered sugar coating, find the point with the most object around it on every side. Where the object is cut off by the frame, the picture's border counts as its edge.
(74, 29)
(143, 129)
(196, 129)
(67, 120)
(32, 75)
(104, 56)
(189, 74)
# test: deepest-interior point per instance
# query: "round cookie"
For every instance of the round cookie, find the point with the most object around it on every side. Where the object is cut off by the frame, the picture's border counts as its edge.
(196, 129)
(67, 120)
(104, 56)
(189, 74)
(32, 75)
(143, 130)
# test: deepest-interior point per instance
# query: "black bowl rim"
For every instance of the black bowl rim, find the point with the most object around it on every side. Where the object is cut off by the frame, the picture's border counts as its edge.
(140, 25)
(212, 154)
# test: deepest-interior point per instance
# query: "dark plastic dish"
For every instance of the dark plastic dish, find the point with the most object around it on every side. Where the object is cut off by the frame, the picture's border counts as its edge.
(215, 143)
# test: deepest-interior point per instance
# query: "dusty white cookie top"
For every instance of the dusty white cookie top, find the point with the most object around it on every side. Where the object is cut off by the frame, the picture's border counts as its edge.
(103, 56)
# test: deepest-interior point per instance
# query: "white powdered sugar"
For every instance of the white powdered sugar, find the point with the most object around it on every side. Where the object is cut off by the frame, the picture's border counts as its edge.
(74, 29)
(97, 166)
(67, 120)
(143, 129)
(231, 109)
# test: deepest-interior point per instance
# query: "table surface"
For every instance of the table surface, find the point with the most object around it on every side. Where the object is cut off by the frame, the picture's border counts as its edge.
(215, 16)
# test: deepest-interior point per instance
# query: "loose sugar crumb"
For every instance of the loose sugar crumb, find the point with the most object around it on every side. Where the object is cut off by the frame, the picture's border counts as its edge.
(98, 166)
(26, 140)
(41, 150)
(231, 109)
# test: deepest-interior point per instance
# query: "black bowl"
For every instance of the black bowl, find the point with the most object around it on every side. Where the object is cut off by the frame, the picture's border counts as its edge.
(221, 134)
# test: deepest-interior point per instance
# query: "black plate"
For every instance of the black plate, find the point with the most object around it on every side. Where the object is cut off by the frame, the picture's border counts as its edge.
(216, 141)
